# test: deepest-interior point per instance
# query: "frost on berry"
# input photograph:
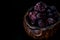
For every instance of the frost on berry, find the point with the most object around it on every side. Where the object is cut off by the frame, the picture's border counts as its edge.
(42, 15)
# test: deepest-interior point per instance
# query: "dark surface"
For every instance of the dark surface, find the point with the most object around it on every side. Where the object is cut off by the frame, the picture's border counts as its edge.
(19, 8)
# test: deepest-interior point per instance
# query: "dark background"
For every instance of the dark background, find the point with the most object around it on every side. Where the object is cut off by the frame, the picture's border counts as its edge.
(19, 8)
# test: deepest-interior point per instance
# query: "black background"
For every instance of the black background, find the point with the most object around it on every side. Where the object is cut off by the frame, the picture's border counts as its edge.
(19, 8)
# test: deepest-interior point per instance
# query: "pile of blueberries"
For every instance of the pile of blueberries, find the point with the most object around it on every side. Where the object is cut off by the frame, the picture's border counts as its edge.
(42, 15)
